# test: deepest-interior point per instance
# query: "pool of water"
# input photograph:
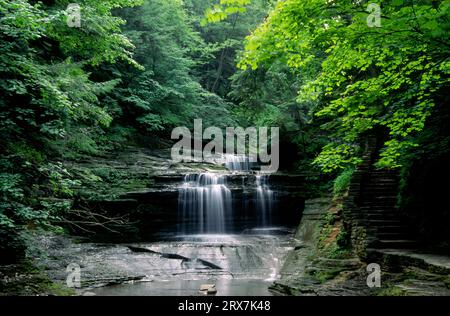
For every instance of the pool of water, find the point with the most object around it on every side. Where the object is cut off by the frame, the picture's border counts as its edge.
(224, 287)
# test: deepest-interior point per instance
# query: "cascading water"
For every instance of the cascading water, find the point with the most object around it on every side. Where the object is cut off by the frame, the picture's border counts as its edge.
(237, 163)
(204, 201)
(264, 200)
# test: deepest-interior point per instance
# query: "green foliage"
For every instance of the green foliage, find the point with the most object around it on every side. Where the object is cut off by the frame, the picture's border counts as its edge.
(224, 40)
(59, 179)
(47, 92)
(326, 274)
(11, 201)
(391, 291)
(101, 39)
(343, 241)
(43, 92)
(342, 182)
(27, 154)
(224, 9)
(329, 219)
(28, 280)
(109, 174)
(81, 141)
(166, 94)
(368, 77)
(334, 239)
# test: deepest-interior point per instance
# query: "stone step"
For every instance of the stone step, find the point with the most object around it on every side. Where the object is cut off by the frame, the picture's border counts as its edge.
(384, 222)
(380, 203)
(392, 236)
(398, 244)
(373, 201)
(382, 177)
(377, 200)
(370, 200)
(381, 217)
(379, 179)
(377, 185)
(392, 198)
(387, 172)
(432, 263)
(372, 204)
(384, 174)
(391, 229)
(379, 209)
(377, 192)
(379, 189)
(382, 180)
(375, 196)
(376, 224)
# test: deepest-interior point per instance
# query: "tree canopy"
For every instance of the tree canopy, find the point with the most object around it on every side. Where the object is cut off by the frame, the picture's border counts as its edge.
(389, 76)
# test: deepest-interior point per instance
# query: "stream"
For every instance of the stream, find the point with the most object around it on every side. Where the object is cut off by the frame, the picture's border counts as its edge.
(239, 265)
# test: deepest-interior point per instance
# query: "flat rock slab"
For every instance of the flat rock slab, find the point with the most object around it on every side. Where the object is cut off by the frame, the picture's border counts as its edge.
(432, 262)
(210, 260)
(423, 288)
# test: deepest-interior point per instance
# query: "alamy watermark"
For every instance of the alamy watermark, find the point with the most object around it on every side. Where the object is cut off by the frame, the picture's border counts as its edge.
(374, 277)
(73, 12)
(73, 279)
(251, 142)
(374, 18)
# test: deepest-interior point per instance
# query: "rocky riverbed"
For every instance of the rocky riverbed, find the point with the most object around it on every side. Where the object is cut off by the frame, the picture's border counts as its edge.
(239, 265)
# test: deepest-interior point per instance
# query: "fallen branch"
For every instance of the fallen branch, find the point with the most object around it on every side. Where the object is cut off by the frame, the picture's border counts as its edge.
(85, 219)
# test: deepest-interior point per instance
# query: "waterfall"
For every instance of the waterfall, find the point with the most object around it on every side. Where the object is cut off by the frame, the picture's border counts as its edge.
(237, 162)
(204, 201)
(264, 200)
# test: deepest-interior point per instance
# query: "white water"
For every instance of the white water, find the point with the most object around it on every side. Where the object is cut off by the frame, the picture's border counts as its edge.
(204, 201)
(237, 163)
(264, 200)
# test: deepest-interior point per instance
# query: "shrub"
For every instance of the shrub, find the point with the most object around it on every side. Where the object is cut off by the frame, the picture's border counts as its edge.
(342, 182)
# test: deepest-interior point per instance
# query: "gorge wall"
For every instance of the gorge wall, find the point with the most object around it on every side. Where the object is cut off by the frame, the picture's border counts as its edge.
(156, 196)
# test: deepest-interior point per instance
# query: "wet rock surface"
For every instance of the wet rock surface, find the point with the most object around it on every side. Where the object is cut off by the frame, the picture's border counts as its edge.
(175, 267)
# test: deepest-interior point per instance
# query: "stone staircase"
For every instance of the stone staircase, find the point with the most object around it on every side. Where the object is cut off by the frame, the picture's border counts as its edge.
(384, 224)
(371, 207)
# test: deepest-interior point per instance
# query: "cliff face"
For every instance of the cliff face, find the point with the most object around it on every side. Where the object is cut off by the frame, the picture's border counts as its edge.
(339, 237)
(142, 186)
(319, 265)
